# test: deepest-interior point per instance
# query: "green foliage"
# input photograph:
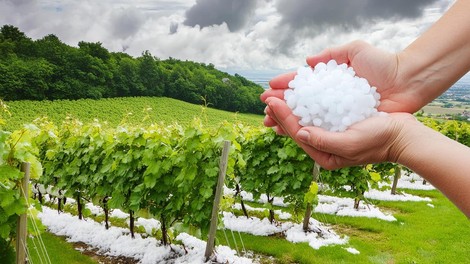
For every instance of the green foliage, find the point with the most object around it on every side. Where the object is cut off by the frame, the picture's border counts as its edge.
(274, 166)
(311, 196)
(3, 111)
(382, 172)
(49, 69)
(353, 181)
(171, 171)
(15, 148)
(456, 130)
(139, 111)
(7, 252)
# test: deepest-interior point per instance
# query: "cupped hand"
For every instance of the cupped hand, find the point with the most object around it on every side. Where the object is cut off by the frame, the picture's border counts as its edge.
(376, 139)
(380, 68)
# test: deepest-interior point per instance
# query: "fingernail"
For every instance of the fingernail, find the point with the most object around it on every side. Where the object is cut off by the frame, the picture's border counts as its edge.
(266, 110)
(303, 136)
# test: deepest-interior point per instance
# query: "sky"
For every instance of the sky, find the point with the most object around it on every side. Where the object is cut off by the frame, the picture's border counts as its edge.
(234, 35)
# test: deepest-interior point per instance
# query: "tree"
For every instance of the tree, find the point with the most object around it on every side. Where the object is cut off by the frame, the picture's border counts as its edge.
(150, 75)
(22, 45)
(94, 50)
(25, 79)
(9, 32)
(126, 79)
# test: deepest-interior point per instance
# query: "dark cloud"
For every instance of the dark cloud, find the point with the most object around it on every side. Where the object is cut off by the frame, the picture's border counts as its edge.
(21, 2)
(302, 18)
(126, 23)
(215, 12)
(347, 14)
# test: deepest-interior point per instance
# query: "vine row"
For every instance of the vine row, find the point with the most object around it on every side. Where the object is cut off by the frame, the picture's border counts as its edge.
(170, 172)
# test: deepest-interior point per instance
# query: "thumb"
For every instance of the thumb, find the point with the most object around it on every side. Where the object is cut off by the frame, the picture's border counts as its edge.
(342, 54)
(336, 53)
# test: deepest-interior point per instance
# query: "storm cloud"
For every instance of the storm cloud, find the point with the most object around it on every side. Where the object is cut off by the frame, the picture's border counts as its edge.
(235, 13)
(306, 18)
(346, 14)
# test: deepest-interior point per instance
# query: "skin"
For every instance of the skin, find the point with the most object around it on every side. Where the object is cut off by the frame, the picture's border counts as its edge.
(407, 81)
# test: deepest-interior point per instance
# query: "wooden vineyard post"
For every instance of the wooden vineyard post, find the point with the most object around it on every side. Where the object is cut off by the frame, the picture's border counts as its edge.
(21, 231)
(395, 179)
(218, 194)
(308, 212)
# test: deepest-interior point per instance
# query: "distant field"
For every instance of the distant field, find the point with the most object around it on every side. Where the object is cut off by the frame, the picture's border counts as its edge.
(132, 110)
(138, 110)
(438, 110)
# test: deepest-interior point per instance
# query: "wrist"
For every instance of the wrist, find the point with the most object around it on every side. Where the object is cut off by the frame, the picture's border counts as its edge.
(415, 143)
(413, 77)
(406, 140)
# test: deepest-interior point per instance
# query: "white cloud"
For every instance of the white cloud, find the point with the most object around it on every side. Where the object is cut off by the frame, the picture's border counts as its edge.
(145, 25)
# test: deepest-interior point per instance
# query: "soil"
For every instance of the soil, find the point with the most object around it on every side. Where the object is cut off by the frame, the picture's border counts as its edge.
(101, 258)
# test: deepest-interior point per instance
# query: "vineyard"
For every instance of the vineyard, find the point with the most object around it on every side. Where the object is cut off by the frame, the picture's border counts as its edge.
(113, 111)
(169, 173)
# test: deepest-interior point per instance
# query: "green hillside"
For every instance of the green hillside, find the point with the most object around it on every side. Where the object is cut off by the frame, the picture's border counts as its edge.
(133, 110)
(48, 69)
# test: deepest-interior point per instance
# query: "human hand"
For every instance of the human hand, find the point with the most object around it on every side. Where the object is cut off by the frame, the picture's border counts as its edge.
(382, 69)
(379, 67)
(376, 139)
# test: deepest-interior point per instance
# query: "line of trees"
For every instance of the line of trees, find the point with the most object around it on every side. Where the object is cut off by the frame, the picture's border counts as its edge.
(48, 69)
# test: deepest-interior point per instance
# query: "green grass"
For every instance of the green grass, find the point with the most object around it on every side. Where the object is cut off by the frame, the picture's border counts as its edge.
(421, 235)
(58, 250)
(132, 110)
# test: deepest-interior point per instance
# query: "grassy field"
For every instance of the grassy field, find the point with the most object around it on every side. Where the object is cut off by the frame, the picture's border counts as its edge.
(439, 110)
(436, 108)
(132, 110)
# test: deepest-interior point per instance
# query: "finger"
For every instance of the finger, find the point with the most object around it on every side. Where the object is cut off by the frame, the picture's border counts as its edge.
(323, 56)
(279, 93)
(289, 123)
(325, 141)
(282, 114)
(269, 122)
(325, 160)
(307, 136)
(282, 81)
(280, 131)
(339, 54)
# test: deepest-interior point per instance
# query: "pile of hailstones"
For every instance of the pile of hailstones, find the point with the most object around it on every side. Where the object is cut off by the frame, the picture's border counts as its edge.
(331, 96)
